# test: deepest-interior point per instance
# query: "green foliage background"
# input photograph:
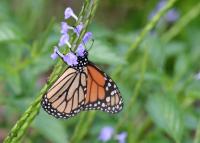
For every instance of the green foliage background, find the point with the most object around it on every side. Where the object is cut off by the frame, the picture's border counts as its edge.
(157, 78)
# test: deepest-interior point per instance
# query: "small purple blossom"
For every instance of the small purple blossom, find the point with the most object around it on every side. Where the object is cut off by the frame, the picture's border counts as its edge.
(80, 50)
(172, 15)
(54, 55)
(64, 40)
(121, 137)
(161, 4)
(69, 13)
(106, 133)
(65, 27)
(78, 29)
(70, 59)
(87, 37)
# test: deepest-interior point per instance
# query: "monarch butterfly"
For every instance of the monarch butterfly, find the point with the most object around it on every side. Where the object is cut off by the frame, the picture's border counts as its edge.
(82, 87)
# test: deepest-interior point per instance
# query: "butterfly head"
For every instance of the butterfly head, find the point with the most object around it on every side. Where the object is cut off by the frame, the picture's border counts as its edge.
(82, 61)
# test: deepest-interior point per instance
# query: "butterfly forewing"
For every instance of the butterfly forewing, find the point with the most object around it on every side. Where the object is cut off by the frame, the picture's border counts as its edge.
(102, 92)
(67, 95)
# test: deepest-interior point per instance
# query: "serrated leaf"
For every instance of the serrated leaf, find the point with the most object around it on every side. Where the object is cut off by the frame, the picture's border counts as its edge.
(166, 115)
(51, 128)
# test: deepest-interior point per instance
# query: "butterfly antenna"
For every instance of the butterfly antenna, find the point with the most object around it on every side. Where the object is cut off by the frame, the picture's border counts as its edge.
(91, 45)
(84, 42)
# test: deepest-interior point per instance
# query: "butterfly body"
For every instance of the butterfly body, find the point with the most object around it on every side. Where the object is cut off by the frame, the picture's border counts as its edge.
(82, 87)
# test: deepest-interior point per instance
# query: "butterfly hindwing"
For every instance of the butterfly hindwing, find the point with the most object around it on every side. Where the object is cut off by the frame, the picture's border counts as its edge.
(67, 95)
(102, 92)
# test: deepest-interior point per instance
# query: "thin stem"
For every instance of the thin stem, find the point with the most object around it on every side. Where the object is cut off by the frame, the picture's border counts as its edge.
(143, 34)
(82, 126)
(78, 126)
(149, 27)
(197, 135)
(24, 122)
(185, 20)
(136, 90)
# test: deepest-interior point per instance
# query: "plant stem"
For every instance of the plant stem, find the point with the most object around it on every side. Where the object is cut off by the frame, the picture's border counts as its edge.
(82, 126)
(149, 27)
(24, 122)
(197, 135)
(136, 90)
(185, 20)
(143, 34)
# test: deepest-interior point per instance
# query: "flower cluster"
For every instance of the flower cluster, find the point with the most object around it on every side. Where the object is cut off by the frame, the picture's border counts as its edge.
(71, 57)
(107, 133)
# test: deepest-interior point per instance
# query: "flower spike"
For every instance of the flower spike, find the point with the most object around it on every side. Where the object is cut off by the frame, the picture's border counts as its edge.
(69, 13)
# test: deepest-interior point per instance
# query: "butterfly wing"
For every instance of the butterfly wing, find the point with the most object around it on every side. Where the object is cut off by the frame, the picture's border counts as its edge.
(102, 92)
(67, 95)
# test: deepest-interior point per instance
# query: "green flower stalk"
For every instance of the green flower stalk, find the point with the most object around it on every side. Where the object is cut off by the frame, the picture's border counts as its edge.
(29, 115)
(149, 27)
(184, 21)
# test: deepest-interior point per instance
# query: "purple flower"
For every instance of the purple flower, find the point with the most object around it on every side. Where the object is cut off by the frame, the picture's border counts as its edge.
(69, 13)
(70, 59)
(106, 133)
(54, 55)
(87, 37)
(64, 40)
(78, 29)
(65, 27)
(172, 15)
(161, 4)
(80, 50)
(121, 137)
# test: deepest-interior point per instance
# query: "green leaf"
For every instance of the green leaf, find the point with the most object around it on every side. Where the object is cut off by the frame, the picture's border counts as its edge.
(166, 115)
(155, 47)
(51, 128)
(101, 53)
(7, 32)
(14, 84)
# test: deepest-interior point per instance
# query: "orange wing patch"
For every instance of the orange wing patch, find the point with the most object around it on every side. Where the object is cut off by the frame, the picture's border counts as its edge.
(102, 92)
(95, 85)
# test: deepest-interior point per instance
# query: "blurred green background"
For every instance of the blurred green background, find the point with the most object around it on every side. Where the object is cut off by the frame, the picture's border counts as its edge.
(160, 84)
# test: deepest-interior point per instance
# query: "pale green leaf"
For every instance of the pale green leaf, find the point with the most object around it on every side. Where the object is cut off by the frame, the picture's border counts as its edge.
(166, 115)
